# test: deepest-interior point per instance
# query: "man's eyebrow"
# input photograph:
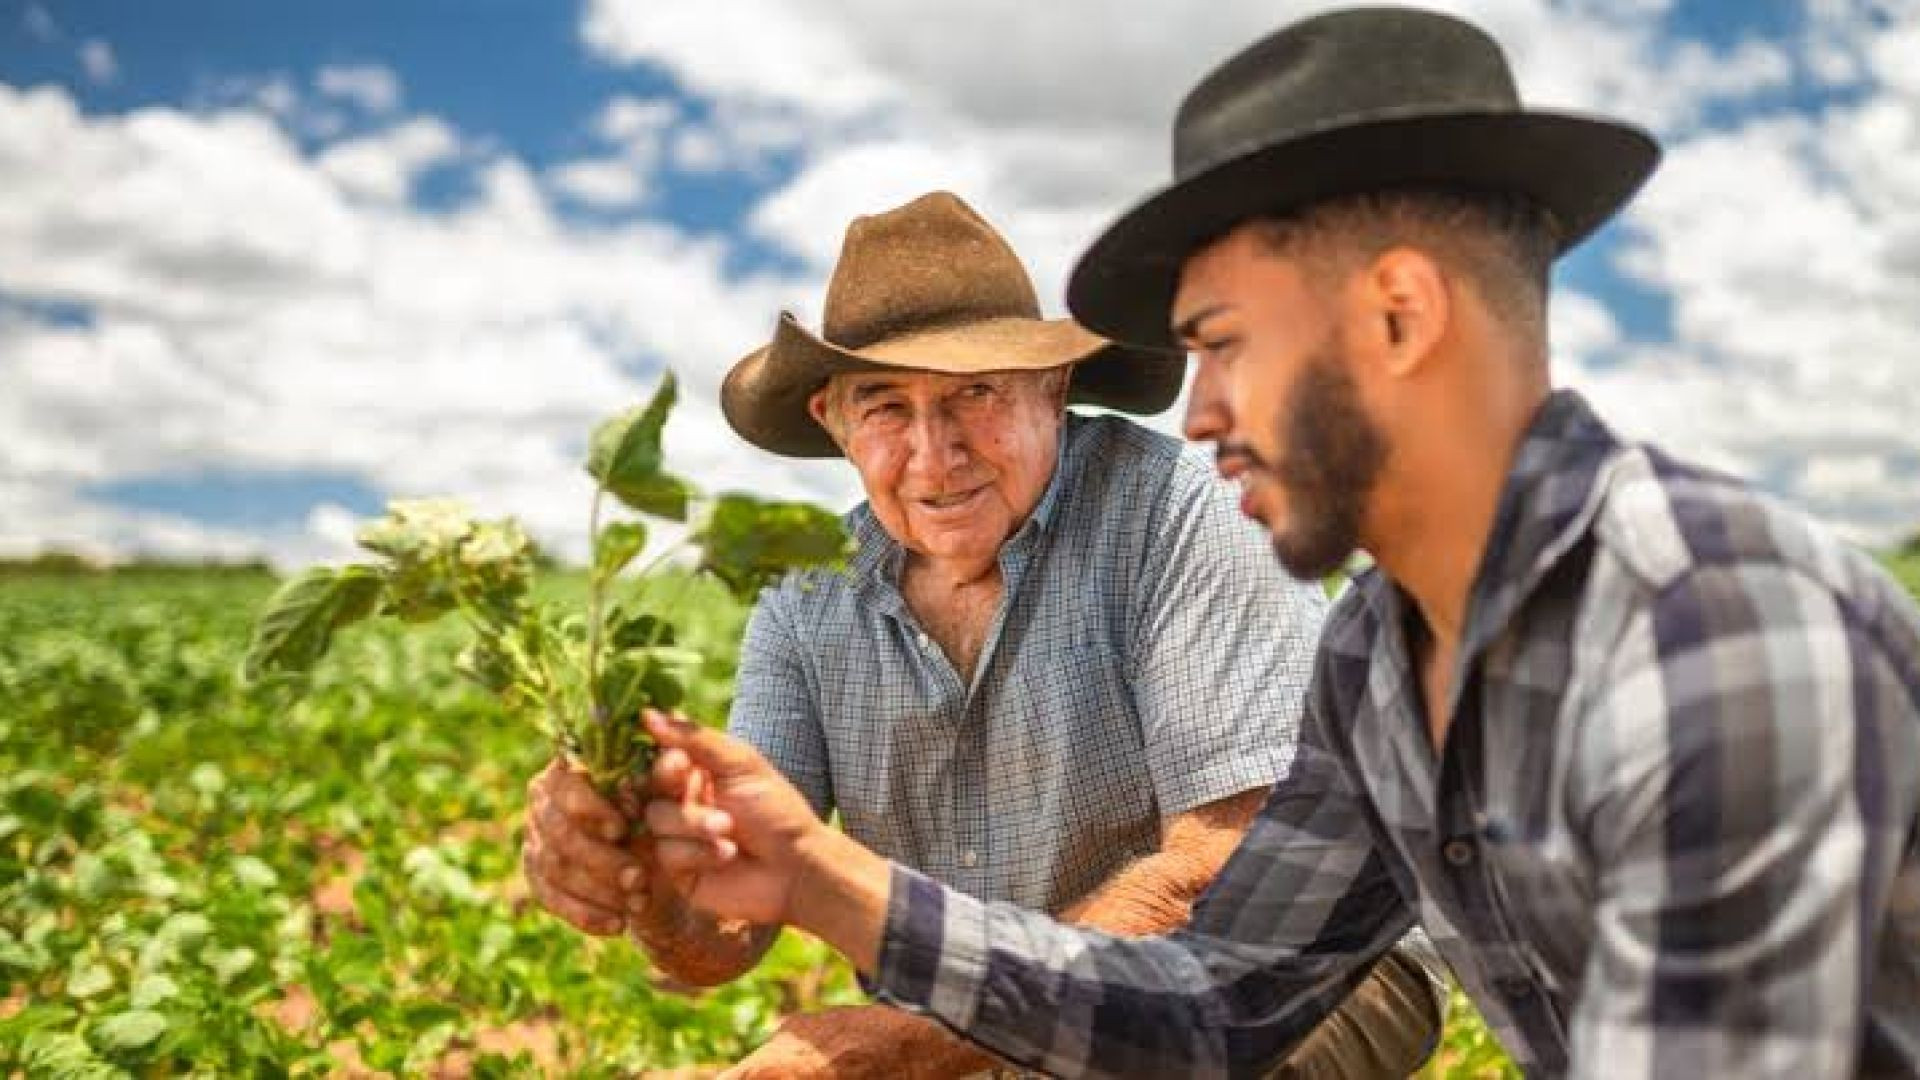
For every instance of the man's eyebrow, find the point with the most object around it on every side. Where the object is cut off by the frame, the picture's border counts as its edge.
(864, 390)
(1188, 328)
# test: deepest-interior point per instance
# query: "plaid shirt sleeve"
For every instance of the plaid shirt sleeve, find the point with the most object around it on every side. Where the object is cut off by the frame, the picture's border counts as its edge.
(1742, 815)
(773, 712)
(1293, 922)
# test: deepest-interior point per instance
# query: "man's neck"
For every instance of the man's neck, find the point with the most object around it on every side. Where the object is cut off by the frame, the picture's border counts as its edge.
(1430, 529)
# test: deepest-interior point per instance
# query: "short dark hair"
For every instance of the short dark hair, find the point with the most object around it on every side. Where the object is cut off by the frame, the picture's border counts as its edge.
(1503, 243)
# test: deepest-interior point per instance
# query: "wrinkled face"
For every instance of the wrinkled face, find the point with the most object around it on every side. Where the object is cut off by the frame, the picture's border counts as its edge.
(1274, 389)
(952, 464)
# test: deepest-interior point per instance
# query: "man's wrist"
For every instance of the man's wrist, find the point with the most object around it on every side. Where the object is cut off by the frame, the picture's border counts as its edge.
(840, 894)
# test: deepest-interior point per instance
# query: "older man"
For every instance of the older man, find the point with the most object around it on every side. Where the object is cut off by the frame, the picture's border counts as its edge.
(1061, 671)
(1639, 747)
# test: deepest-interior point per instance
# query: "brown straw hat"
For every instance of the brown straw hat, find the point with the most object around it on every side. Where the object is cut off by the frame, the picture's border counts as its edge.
(929, 286)
(1368, 99)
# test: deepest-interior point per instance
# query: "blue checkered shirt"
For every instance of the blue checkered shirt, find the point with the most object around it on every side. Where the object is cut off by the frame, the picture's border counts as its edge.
(1147, 658)
(1672, 833)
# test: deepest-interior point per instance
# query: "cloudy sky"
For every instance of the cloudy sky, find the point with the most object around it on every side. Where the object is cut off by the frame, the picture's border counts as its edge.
(263, 266)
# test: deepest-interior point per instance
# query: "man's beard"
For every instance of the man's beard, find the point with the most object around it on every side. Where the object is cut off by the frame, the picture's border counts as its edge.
(1332, 453)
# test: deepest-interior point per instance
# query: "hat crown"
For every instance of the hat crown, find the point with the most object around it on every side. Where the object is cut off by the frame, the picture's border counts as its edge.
(930, 264)
(1337, 69)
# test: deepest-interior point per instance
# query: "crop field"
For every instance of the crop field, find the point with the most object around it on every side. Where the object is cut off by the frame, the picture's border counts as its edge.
(202, 878)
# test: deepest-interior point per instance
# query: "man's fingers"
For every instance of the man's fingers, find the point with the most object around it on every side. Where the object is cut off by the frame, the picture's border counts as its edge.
(711, 750)
(585, 807)
(553, 895)
(609, 891)
(687, 821)
(560, 834)
(672, 773)
(685, 858)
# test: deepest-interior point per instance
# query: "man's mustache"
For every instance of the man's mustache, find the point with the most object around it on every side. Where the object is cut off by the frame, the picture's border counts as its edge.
(1225, 452)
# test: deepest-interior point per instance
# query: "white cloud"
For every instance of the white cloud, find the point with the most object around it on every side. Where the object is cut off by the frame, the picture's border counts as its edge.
(254, 309)
(636, 123)
(1784, 236)
(637, 130)
(260, 306)
(372, 87)
(97, 60)
(604, 182)
(1789, 247)
(383, 166)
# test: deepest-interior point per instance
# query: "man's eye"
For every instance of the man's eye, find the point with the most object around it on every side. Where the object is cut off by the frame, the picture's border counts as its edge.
(1212, 348)
(978, 390)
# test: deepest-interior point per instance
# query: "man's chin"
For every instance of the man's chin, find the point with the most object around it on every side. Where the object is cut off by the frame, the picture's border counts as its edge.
(1310, 558)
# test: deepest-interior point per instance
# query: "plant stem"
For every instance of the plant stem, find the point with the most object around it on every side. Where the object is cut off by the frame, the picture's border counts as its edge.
(595, 587)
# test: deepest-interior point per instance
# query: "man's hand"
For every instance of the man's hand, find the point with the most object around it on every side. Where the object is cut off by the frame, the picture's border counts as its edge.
(742, 843)
(867, 1042)
(574, 854)
(725, 823)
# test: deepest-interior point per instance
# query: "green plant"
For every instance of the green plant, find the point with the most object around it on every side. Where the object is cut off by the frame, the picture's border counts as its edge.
(585, 679)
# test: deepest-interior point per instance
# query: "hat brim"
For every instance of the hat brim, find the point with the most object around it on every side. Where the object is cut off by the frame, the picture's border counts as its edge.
(765, 396)
(1580, 168)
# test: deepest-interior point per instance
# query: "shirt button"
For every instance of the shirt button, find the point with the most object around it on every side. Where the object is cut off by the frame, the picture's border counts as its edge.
(968, 858)
(1458, 852)
(923, 639)
(1513, 987)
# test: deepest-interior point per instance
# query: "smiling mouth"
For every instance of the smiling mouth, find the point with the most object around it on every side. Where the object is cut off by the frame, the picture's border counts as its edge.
(947, 502)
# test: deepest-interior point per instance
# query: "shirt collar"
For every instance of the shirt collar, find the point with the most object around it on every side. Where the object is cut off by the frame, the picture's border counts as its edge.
(1548, 501)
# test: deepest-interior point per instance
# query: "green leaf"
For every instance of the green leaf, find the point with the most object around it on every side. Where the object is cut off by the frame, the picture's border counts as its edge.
(497, 557)
(151, 990)
(640, 631)
(89, 981)
(486, 661)
(616, 546)
(415, 529)
(254, 873)
(66, 1056)
(621, 690)
(128, 1030)
(228, 964)
(296, 627)
(624, 455)
(750, 543)
(661, 495)
(672, 670)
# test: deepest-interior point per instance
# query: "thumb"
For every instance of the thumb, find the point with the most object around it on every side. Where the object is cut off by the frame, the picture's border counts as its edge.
(719, 754)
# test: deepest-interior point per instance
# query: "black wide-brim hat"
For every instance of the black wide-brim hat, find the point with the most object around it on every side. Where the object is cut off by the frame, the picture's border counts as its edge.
(1371, 99)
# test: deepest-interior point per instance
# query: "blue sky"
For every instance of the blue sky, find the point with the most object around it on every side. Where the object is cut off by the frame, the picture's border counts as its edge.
(269, 265)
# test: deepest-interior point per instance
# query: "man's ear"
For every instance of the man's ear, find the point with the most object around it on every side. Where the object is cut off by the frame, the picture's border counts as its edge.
(1408, 304)
(818, 405)
(1063, 382)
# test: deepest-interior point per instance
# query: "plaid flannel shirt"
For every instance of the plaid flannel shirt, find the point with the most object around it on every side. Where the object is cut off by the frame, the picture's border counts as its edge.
(1672, 831)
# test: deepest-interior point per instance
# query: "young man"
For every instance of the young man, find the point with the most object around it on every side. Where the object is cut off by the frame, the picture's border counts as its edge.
(1638, 747)
(1061, 671)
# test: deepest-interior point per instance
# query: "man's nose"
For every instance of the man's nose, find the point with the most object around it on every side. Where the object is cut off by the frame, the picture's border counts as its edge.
(938, 443)
(1208, 419)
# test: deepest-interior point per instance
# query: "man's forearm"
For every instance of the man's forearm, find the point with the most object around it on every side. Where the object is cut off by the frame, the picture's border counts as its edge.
(840, 896)
(1152, 896)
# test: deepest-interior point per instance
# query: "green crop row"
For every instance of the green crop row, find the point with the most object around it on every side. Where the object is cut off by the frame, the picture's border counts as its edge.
(199, 878)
